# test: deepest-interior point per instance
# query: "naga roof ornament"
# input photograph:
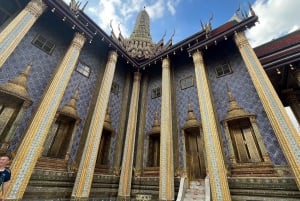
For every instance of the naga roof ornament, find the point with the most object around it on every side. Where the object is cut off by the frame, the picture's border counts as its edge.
(140, 45)
(75, 6)
(207, 26)
(240, 14)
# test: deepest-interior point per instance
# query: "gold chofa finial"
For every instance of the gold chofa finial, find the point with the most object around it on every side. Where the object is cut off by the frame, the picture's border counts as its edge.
(75, 6)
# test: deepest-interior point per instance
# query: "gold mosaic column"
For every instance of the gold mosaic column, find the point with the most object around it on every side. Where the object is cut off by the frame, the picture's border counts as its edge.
(141, 129)
(166, 169)
(127, 162)
(84, 178)
(215, 161)
(12, 35)
(122, 125)
(283, 128)
(36, 133)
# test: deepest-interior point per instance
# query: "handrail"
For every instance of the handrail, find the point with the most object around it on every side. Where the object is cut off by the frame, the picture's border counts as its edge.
(182, 188)
(207, 189)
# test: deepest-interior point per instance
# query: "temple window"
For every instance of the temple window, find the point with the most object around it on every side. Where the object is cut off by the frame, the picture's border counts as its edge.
(9, 109)
(7, 114)
(153, 154)
(104, 149)
(223, 70)
(245, 143)
(186, 82)
(43, 43)
(59, 141)
(154, 150)
(59, 137)
(247, 150)
(156, 92)
(83, 69)
(14, 101)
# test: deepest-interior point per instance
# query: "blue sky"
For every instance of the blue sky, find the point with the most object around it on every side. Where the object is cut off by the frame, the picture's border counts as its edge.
(276, 17)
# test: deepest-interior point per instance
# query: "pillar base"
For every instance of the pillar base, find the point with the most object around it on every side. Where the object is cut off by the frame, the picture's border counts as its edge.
(258, 169)
(123, 198)
(79, 199)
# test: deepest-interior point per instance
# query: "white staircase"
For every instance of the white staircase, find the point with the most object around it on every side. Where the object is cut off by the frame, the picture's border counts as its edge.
(196, 191)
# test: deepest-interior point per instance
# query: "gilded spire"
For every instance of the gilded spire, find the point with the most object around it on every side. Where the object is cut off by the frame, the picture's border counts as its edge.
(18, 86)
(235, 111)
(70, 108)
(107, 119)
(140, 45)
(107, 116)
(191, 120)
(156, 125)
(142, 28)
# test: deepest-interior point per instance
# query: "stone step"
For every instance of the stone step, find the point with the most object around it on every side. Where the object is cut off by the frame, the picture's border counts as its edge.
(195, 191)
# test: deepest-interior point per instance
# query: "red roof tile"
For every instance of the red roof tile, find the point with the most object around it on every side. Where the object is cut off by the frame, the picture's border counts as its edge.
(278, 44)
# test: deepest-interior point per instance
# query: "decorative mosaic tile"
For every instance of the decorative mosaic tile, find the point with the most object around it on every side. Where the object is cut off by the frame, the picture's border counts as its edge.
(246, 96)
(43, 65)
(115, 103)
(153, 105)
(183, 98)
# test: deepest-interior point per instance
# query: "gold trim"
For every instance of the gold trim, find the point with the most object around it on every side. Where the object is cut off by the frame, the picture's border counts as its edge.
(122, 126)
(215, 161)
(191, 120)
(36, 133)
(286, 134)
(141, 130)
(166, 179)
(127, 163)
(30, 13)
(85, 175)
(18, 86)
(70, 108)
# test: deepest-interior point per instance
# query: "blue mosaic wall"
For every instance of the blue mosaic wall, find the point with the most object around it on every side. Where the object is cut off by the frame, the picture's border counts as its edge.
(153, 105)
(85, 87)
(183, 98)
(44, 66)
(241, 86)
(243, 91)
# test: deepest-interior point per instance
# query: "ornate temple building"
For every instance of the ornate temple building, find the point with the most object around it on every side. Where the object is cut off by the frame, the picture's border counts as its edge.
(91, 116)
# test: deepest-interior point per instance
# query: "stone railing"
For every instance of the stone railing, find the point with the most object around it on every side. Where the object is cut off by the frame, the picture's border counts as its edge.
(182, 188)
(207, 189)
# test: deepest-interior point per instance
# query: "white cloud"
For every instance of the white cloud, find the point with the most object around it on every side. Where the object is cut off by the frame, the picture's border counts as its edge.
(124, 12)
(156, 11)
(104, 12)
(276, 18)
(171, 5)
(67, 1)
